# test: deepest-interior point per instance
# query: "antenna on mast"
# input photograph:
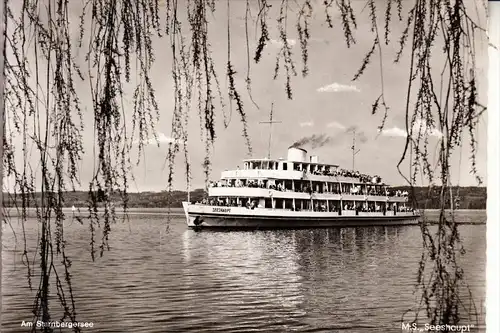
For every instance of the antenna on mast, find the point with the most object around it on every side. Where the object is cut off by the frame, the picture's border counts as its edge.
(270, 122)
(353, 148)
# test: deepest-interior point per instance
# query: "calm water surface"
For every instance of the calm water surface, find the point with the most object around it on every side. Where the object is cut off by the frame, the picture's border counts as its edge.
(178, 280)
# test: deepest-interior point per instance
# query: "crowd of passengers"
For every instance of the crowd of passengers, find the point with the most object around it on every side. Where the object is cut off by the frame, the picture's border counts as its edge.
(347, 173)
(251, 204)
(360, 208)
(376, 208)
(371, 190)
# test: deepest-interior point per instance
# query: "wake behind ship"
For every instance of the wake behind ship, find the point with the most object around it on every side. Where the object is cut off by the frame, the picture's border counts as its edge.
(298, 193)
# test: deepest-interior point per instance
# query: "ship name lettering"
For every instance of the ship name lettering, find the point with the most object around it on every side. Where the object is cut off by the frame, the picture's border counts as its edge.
(221, 210)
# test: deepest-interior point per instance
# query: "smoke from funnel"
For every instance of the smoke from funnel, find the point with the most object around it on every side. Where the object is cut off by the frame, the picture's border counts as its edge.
(314, 141)
(319, 140)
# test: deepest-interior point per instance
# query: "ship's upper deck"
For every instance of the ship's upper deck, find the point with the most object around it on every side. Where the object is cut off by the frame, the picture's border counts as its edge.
(296, 155)
(297, 166)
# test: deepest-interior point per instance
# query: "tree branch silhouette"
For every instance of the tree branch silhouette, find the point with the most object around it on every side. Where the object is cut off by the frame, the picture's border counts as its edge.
(44, 112)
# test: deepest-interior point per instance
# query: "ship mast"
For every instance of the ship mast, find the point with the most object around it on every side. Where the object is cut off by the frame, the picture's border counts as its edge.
(270, 122)
(353, 148)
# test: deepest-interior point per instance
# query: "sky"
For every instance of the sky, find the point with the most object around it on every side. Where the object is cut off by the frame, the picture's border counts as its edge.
(327, 102)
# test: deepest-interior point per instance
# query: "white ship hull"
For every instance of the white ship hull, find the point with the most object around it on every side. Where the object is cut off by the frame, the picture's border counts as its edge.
(205, 216)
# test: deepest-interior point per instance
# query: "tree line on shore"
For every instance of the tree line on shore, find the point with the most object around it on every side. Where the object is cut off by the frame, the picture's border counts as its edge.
(472, 197)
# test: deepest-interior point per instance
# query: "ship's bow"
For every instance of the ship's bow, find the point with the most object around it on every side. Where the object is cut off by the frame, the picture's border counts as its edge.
(185, 206)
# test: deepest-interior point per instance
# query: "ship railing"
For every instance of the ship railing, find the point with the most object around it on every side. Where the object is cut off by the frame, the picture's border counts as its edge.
(308, 189)
(349, 210)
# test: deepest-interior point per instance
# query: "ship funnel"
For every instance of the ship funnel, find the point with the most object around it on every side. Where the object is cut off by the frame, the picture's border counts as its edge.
(314, 159)
(297, 154)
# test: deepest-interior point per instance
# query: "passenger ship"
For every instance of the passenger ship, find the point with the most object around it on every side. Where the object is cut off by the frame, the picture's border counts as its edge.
(298, 193)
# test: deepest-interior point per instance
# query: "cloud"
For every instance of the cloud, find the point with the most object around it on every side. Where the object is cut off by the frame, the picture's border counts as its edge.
(307, 124)
(162, 138)
(291, 42)
(394, 132)
(420, 125)
(335, 124)
(337, 87)
(319, 40)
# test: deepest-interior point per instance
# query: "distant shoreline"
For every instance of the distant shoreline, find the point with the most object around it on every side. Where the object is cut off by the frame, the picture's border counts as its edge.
(175, 211)
(179, 212)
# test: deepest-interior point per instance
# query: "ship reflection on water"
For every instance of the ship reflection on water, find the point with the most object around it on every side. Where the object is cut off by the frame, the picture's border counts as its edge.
(321, 278)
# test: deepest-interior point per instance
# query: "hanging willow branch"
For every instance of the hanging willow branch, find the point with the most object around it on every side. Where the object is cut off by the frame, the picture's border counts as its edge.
(453, 108)
(44, 119)
(43, 112)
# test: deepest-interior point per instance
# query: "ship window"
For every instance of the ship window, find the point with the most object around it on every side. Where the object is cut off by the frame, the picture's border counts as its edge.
(285, 166)
(278, 203)
(268, 203)
(307, 204)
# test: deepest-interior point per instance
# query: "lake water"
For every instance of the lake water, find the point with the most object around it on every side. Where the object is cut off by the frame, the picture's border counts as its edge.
(178, 280)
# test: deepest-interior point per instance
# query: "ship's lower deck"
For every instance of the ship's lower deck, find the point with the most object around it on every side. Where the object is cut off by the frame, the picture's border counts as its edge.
(205, 216)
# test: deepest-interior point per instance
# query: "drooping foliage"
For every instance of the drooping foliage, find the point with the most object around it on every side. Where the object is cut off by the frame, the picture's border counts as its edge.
(47, 65)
